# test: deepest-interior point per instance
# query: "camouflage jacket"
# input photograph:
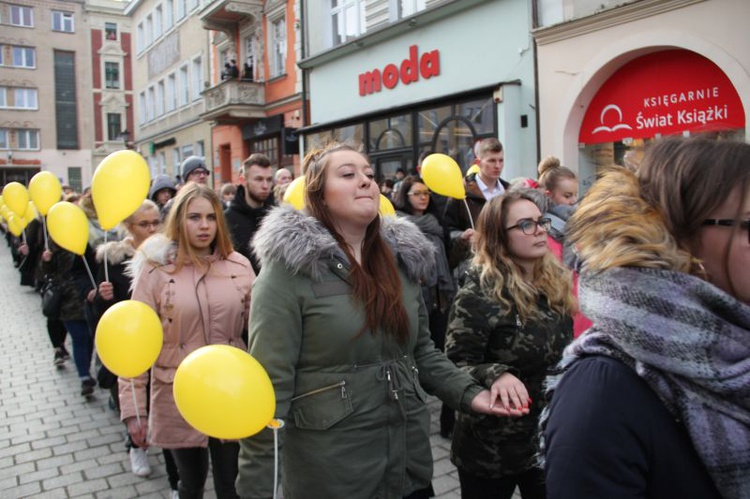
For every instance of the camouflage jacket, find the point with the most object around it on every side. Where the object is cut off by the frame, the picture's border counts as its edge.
(485, 342)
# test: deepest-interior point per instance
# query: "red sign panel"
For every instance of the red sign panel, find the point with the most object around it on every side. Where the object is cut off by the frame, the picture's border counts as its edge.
(665, 93)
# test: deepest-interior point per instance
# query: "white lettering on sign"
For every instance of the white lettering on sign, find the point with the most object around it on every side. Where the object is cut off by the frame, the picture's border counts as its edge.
(684, 117)
(666, 100)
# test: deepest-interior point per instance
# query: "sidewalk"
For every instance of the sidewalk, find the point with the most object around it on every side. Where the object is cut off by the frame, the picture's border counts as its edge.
(56, 444)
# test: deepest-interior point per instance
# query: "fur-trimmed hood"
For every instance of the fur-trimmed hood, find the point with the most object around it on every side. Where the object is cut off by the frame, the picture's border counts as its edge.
(117, 251)
(615, 227)
(157, 249)
(305, 246)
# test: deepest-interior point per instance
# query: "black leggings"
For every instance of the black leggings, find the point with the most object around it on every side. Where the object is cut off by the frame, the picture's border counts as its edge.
(531, 483)
(57, 332)
(192, 465)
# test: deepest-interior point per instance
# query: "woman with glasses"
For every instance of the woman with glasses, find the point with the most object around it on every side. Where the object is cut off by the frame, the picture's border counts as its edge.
(414, 202)
(653, 400)
(508, 325)
(139, 226)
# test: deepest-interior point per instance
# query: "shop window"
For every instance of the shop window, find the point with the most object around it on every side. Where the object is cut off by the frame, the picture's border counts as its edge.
(21, 16)
(62, 21)
(269, 147)
(390, 133)
(75, 179)
(347, 20)
(114, 126)
(112, 75)
(110, 31)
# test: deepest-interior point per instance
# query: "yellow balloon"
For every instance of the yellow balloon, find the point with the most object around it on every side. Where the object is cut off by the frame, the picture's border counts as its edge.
(68, 227)
(45, 190)
(224, 392)
(472, 169)
(295, 193)
(16, 197)
(119, 186)
(129, 338)
(5, 211)
(386, 207)
(15, 224)
(31, 212)
(443, 175)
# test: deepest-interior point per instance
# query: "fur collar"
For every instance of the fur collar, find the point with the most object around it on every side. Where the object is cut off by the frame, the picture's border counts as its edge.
(615, 227)
(304, 246)
(157, 250)
(117, 251)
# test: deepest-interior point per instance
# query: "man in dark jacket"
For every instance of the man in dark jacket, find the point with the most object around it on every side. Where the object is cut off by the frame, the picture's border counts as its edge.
(250, 205)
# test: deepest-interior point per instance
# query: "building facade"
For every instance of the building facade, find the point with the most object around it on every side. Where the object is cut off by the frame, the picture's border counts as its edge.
(260, 110)
(614, 76)
(45, 112)
(170, 68)
(406, 77)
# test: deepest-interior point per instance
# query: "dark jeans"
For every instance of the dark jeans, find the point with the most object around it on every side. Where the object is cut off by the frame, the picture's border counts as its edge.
(83, 346)
(531, 483)
(56, 331)
(192, 465)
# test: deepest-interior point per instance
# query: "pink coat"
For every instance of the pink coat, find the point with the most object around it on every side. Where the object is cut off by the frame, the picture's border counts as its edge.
(197, 307)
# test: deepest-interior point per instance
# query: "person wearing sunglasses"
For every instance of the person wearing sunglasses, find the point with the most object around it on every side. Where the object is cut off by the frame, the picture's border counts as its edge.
(508, 324)
(652, 401)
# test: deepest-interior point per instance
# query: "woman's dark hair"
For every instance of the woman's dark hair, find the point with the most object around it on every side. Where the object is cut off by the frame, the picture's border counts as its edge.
(375, 282)
(401, 201)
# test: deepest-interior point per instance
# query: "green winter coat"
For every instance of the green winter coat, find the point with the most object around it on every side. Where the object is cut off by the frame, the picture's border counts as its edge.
(356, 421)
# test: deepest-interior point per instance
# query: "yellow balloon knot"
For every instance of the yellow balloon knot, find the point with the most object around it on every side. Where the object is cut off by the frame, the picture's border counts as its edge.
(275, 424)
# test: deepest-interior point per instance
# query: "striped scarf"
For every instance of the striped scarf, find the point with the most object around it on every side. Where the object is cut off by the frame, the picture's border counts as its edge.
(691, 343)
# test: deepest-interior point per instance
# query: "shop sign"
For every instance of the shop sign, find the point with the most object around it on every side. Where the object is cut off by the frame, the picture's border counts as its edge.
(664, 93)
(427, 65)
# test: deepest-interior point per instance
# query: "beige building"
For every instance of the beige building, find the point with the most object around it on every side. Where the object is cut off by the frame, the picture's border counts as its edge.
(170, 69)
(615, 75)
(45, 109)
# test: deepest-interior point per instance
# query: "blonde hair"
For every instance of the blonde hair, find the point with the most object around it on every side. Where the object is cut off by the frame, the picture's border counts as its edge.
(146, 205)
(551, 172)
(502, 278)
(175, 224)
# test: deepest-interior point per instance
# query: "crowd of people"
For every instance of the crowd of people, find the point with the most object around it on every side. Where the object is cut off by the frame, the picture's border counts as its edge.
(592, 348)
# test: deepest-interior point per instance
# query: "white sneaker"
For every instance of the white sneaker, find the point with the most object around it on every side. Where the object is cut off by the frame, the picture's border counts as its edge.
(139, 462)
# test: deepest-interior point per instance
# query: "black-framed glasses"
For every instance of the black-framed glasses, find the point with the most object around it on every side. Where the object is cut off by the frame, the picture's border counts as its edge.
(528, 226)
(729, 222)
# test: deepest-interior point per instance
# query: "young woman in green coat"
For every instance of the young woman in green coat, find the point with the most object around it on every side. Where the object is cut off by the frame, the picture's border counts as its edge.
(338, 321)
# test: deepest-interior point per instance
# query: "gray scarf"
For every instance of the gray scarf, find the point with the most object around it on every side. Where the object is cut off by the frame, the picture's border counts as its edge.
(440, 275)
(691, 343)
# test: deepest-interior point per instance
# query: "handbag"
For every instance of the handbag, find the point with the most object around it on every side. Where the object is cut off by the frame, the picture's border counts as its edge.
(51, 299)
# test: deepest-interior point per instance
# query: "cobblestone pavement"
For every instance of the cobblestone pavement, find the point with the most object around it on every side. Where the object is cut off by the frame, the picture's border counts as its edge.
(56, 444)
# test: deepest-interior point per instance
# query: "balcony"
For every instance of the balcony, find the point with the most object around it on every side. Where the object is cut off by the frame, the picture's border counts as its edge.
(227, 15)
(233, 100)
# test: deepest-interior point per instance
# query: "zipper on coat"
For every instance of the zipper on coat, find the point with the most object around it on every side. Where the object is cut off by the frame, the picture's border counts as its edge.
(391, 386)
(341, 384)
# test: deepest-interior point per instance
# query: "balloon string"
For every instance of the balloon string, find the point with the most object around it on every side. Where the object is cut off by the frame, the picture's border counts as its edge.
(46, 240)
(471, 219)
(23, 236)
(135, 403)
(88, 269)
(106, 271)
(276, 425)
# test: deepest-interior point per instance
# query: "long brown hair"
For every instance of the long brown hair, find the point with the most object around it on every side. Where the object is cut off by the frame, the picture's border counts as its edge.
(499, 271)
(374, 285)
(175, 224)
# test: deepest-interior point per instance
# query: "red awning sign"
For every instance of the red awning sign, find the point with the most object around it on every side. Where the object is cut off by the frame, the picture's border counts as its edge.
(664, 93)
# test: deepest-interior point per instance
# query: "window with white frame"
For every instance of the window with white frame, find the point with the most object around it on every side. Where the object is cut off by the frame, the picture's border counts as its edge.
(110, 31)
(3, 138)
(176, 160)
(3, 97)
(200, 149)
(171, 92)
(114, 126)
(150, 104)
(181, 9)
(405, 8)
(184, 86)
(149, 30)
(197, 78)
(168, 14)
(142, 108)
(27, 139)
(112, 75)
(21, 15)
(347, 20)
(140, 39)
(162, 162)
(2, 57)
(62, 21)
(25, 98)
(160, 98)
(187, 150)
(278, 47)
(158, 22)
(192, 4)
(24, 57)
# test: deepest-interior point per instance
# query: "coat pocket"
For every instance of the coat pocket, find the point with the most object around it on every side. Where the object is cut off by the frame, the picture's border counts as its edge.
(322, 408)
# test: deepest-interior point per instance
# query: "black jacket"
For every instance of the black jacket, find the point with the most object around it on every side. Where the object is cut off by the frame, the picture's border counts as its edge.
(243, 222)
(609, 435)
